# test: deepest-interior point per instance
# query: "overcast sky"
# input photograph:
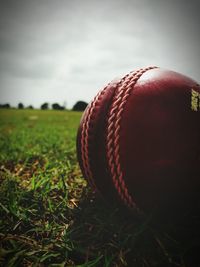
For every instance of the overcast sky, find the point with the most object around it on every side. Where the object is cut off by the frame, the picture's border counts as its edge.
(65, 51)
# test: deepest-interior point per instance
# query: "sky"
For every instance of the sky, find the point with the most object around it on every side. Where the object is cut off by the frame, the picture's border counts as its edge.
(64, 51)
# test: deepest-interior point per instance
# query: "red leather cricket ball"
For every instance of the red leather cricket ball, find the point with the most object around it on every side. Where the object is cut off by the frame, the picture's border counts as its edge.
(139, 140)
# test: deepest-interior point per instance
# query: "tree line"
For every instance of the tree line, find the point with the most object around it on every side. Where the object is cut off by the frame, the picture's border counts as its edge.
(78, 106)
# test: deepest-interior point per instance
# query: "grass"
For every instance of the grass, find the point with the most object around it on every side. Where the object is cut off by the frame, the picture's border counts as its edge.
(50, 217)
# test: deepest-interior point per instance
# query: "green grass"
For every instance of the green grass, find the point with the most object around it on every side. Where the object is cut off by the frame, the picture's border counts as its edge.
(50, 217)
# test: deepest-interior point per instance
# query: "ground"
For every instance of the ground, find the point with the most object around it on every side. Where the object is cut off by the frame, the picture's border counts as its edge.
(49, 215)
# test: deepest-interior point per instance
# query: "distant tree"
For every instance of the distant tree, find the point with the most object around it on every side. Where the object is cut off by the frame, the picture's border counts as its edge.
(5, 105)
(80, 106)
(30, 107)
(56, 106)
(20, 106)
(45, 106)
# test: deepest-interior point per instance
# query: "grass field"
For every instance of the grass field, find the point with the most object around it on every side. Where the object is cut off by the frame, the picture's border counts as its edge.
(50, 217)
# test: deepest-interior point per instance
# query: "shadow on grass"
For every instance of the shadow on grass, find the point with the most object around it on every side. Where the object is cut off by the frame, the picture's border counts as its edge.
(128, 240)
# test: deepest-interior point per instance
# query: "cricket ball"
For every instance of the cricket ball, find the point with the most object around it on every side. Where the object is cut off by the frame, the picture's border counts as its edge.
(138, 142)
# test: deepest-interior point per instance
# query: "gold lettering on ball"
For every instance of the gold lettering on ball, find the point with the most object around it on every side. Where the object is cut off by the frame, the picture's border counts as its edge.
(195, 100)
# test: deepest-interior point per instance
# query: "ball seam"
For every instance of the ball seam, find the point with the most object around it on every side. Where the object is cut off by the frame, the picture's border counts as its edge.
(113, 135)
(86, 135)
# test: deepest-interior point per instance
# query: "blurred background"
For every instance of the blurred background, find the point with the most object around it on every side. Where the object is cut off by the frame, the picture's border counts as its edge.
(65, 51)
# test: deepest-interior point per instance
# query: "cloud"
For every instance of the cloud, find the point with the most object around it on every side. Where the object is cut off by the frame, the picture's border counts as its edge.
(67, 50)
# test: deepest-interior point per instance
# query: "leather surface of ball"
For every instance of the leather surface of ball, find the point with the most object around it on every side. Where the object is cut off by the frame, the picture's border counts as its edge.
(138, 142)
